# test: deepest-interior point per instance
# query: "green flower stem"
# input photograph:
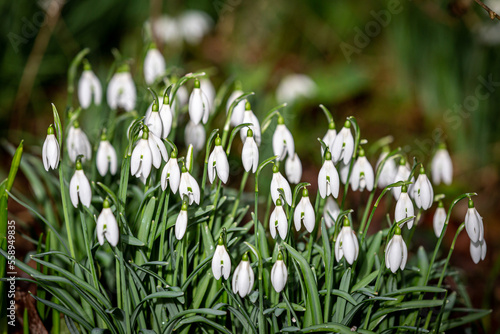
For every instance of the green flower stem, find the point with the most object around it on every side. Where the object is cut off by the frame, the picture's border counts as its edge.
(438, 244)
(238, 197)
(163, 228)
(391, 155)
(412, 231)
(88, 247)
(318, 203)
(216, 200)
(351, 164)
(443, 272)
(178, 251)
(65, 203)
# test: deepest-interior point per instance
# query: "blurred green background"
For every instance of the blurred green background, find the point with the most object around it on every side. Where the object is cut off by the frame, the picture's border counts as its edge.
(422, 71)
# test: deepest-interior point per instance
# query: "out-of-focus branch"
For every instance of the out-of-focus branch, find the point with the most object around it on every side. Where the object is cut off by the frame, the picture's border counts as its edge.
(492, 14)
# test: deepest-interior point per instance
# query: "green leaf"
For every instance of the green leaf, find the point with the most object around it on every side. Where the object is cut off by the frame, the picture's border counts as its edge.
(341, 294)
(328, 327)
(344, 287)
(413, 289)
(365, 281)
(312, 290)
(161, 294)
(460, 321)
(131, 240)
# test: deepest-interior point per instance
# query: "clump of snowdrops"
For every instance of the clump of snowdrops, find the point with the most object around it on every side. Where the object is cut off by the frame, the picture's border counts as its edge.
(150, 229)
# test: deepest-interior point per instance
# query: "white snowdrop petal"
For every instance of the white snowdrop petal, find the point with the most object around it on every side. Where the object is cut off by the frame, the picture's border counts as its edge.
(181, 224)
(211, 167)
(349, 247)
(112, 232)
(226, 268)
(282, 223)
(475, 251)
(73, 192)
(272, 224)
(196, 106)
(395, 255)
(222, 165)
(216, 263)
(234, 281)
(309, 217)
(438, 221)
(84, 191)
(405, 254)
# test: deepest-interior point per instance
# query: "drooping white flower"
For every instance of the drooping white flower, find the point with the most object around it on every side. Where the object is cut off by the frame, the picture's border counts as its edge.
(331, 212)
(239, 109)
(442, 167)
(171, 174)
(279, 274)
(295, 86)
(343, 171)
(78, 143)
(121, 91)
(250, 153)
(195, 135)
(168, 30)
(106, 157)
(217, 163)
(293, 168)
(89, 88)
(193, 25)
(423, 194)
(402, 174)
(279, 182)
(189, 187)
(249, 117)
(181, 222)
(243, 277)
(278, 221)
(347, 244)
(362, 173)
(79, 187)
(106, 226)
(221, 262)
(328, 178)
(389, 169)
(154, 65)
(199, 106)
(283, 143)
(474, 224)
(329, 137)
(208, 88)
(439, 219)
(50, 150)
(477, 250)
(343, 145)
(141, 160)
(396, 252)
(304, 212)
(153, 120)
(166, 117)
(404, 207)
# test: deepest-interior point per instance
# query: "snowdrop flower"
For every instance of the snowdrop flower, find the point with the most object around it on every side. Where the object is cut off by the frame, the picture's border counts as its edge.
(293, 168)
(217, 163)
(343, 172)
(78, 143)
(193, 25)
(474, 224)
(165, 116)
(278, 221)
(304, 212)
(343, 145)
(389, 170)
(328, 178)
(329, 137)
(181, 222)
(282, 141)
(279, 274)
(209, 90)
(121, 90)
(279, 182)
(362, 173)
(250, 153)
(221, 263)
(89, 88)
(154, 121)
(171, 174)
(79, 187)
(158, 150)
(347, 244)
(189, 187)
(477, 250)
(331, 212)
(239, 109)
(106, 157)
(106, 226)
(442, 167)
(396, 252)
(50, 150)
(249, 117)
(295, 86)
(154, 65)
(141, 159)
(404, 207)
(243, 277)
(402, 174)
(168, 30)
(195, 135)
(190, 158)
(439, 219)
(199, 107)
(423, 194)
